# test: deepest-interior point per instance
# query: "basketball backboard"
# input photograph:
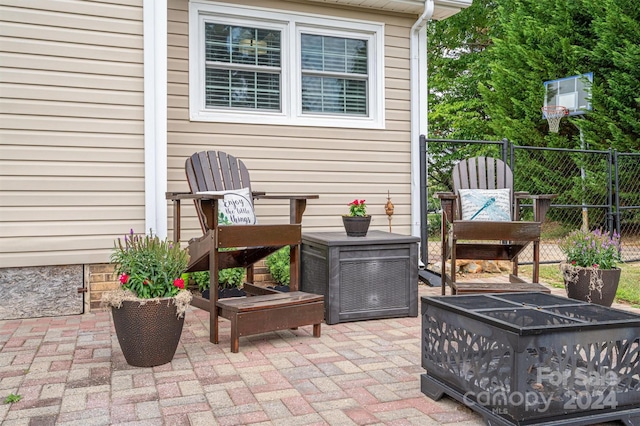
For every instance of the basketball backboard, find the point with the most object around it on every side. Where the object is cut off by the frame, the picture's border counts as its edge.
(573, 93)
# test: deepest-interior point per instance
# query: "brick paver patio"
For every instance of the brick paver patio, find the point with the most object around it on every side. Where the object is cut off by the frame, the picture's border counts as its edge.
(70, 370)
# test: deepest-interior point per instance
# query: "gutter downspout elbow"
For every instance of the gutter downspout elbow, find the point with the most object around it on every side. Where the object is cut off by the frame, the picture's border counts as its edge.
(419, 92)
(427, 13)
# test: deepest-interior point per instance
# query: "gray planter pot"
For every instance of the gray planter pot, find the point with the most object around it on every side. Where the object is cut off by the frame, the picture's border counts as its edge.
(356, 226)
(597, 286)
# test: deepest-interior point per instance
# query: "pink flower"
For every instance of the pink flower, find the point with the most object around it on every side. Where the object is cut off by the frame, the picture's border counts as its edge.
(595, 265)
(179, 282)
(124, 278)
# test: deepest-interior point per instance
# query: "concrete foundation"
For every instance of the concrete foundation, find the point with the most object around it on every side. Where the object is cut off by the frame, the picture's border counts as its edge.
(41, 291)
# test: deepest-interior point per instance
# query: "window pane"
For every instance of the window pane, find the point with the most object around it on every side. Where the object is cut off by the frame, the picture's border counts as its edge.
(333, 54)
(242, 89)
(248, 75)
(334, 95)
(242, 45)
(327, 64)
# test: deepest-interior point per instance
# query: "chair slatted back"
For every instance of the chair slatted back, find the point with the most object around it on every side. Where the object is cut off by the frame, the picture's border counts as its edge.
(482, 173)
(214, 171)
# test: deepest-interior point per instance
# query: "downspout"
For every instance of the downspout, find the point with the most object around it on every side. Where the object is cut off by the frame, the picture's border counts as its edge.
(155, 115)
(418, 75)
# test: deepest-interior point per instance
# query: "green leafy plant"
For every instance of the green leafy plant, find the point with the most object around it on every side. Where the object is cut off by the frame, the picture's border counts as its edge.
(278, 264)
(227, 278)
(11, 398)
(357, 208)
(201, 279)
(148, 266)
(591, 249)
(231, 277)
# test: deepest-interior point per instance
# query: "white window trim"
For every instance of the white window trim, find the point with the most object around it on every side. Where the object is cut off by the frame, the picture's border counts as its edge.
(292, 24)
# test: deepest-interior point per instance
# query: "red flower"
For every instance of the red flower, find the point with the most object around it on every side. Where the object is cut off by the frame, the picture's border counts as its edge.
(124, 278)
(145, 282)
(573, 262)
(179, 282)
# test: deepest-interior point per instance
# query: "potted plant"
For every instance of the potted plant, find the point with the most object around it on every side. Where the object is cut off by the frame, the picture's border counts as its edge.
(230, 280)
(148, 310)
(356, 223)
(590, 273)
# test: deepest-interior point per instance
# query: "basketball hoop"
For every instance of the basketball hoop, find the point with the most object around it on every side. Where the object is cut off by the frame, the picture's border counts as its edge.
(554, 114)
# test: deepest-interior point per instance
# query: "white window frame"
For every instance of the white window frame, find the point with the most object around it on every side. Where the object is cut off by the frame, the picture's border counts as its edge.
(292, 25)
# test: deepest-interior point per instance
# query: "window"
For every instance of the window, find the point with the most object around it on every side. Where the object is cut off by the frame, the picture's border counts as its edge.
(252, 65)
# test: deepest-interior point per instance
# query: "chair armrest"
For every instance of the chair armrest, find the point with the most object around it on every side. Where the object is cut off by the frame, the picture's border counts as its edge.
(264, 196)
(541, 204)
(176, 196)
(544, 196)
(297, 203)
(445, 195)
(526, 195)
(448, 202)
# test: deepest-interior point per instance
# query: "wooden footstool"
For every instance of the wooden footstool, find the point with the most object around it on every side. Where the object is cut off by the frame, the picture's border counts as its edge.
(271, 312)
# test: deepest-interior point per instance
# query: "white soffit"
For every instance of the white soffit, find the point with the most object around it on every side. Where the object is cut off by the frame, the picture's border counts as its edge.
(443, 8)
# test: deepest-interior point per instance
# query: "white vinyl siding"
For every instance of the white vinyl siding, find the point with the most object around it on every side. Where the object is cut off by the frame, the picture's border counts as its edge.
(269, 66)
(337, 163)
(71, 138)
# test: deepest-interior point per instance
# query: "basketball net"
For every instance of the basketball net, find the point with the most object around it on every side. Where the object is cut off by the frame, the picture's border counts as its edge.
(554, 114)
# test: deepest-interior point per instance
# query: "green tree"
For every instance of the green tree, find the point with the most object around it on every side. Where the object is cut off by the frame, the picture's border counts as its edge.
(488, 63)
(540, 40)
(457, 62)
(615, 60)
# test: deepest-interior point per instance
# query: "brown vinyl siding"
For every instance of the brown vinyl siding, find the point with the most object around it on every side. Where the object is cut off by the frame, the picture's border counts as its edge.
(71, 129)
(339, 164)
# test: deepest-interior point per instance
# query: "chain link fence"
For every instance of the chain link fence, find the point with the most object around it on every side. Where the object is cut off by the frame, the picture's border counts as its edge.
(627, 202)
(596, 189)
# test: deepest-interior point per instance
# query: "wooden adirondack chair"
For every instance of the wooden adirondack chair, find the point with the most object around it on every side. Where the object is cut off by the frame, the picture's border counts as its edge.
(228, 246)
(489, 239)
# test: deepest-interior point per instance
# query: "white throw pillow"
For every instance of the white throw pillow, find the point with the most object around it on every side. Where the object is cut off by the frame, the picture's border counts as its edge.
(493, 205)
(236, 207)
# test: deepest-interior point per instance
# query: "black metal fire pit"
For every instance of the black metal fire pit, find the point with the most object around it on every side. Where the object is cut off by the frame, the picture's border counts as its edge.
(532, 358)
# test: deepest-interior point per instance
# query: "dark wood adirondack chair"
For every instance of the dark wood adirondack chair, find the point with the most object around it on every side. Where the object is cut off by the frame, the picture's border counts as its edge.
(487, 239)
(228, 246)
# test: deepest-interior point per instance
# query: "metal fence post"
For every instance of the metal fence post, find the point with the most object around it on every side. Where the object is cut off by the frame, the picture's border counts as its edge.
(610, 194)
(424, 228)
(617, 193)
